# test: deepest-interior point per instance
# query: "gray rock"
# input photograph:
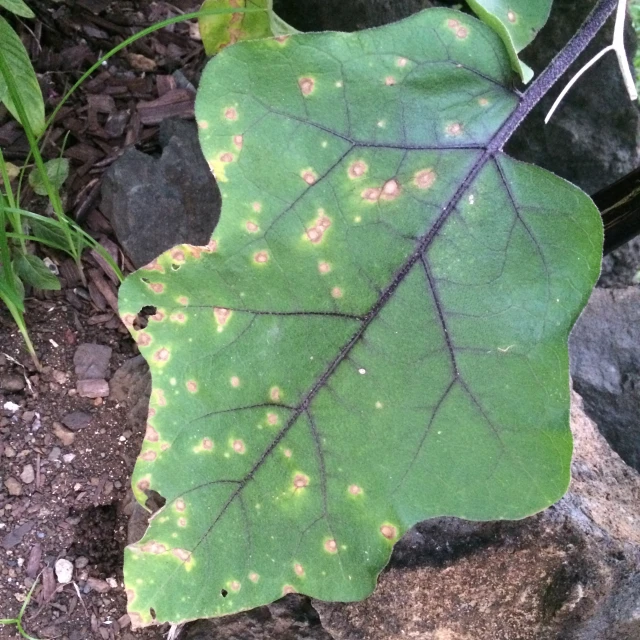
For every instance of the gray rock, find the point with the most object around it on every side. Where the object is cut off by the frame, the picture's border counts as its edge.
(28, 475)
(93, 388)
(91, 361)
(77, 420)
(15, 536)
(569, 573)
(13, 486)
(131, 386)
(605, 365)
(156, 203)
(11, 383)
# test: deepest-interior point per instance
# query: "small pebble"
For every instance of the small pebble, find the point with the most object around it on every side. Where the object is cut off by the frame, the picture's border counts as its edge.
(68, 457)
(13, 487)
(28, 475)
(55, 454)
(9, 452)
(64, 571)
(81, 562)
(64, 435)
(12, 383)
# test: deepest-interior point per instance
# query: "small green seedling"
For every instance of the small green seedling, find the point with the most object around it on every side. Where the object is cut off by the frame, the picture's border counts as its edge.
(18, 620)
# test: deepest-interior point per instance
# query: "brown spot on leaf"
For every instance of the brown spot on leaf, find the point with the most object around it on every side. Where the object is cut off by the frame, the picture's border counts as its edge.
(143, 339)
(182, 554)
(226, 157)
(183, 300)
(182, 522)
(221, 315)
(151, 412)
(158, 316)
(274, 394)
(254, 577)
(454, 129)
(230, 113)
(511, 16)
(281, 39)
(153, 266)
(389, 531)
(272, 418)
(320, 225)
(300, 481)
(331, 546)
(162, 355)
(154, 547)
(462, 33)
(336, 292)
(156, 287)
(372, 195)
(238, 141)
(151, 434)
(390, 190)
(483, 102)
(211, 246)
(355, 490)
(357, 169)
(207, 444)
(128, 319)
(143, 485)
(257, 207)
(424, 179)
(287, 589)
(261, 257)
(178, 317)
(192, 386)
(179, 504)
(235, 586)
(389, 81)
(177, 255)
(309, 176)
(324, 267)
(203, 124)
(306, 85)
(235, 381)
(161, 401)
(238, 446)
(402, 62)
(298, 568)
(252, 227)
(149, 456)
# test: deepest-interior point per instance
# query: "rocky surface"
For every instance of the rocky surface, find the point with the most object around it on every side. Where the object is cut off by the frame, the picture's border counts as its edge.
(155, 203)
(605, 364)
(569, 573)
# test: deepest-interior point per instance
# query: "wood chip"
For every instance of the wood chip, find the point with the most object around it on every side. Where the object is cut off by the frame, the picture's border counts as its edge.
(175, 103)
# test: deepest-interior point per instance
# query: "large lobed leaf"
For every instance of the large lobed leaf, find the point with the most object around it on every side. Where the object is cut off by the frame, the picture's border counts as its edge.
(376, 333)
(517, 22)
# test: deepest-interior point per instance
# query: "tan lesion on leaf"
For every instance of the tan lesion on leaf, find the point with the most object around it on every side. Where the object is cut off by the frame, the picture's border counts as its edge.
(287, 589)
(182, 554)
(234, 381)
(316, 232)
(203, 124)
(460, 31)
(143, 339)
(252, 227)
(162, 355)
(256, 206)
(483, 102)
(154, 265)
(160, 398)
(309, 176)
(357, 169)
(254, 577)
(371, 195)
(272, 418)
(177, 255)
(424, 179)
(178, 317)
(512, 16)
(143, 484)
(151, 434)
(330, 546)
(307, 85)
(238, 446)
(390, 190)
(337, 292)
(355, 490)
(300, 481)
(389, 531)
(231, 113)
(275, 394)
(179, 505)
(158, 316)
(299, 569)
(222, 316)
(238, 141)
(282, 40)
(157, 548)
(211, 246)
(128, 319)
(454, 129)
(182, 522)
(402, 62)
(234, 586)
(156, 287)
(261, 257)
(207, 444)
(192, 386)
(390, 81)
(324, 268)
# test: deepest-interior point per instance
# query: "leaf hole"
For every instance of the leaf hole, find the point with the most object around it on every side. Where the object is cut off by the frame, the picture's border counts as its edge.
(142, 319)
(145, 280)
(175, 267)
(224, 593)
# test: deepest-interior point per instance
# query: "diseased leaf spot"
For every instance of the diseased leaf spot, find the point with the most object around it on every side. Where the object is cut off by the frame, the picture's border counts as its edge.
(158, 316)
(211, 246)
(357, 169)
(461, 31)
(362, 371)
(309, 176)
(154, 547)
(143, 485)
(182, 522)
(151, 412)
(151, 434)
(179, 505)
(287, 453)
(178, 317)
(192, 386)
(156, 287)
(379, 405)
(389, 81)
(226, 157)
(154, 265)
(252, 227)
(330, 546)
(183, 300)
(272, 418)
(339, 84)
(287, 589)
(454, 129)
(306, 85)
(162, 355)
(424, 179)
(254, 577)
(299, 569)
(143, 339)
(177, 255)
(320, 225)
(235, 586)
(257, 207)
(238, 446)
(207, 444)
(301, 481)
(402, 62)
(203, 124)
(372, 195)
(128, 319)
(275, 394)
(389, 531)
(238, 141)
(161, 401)
(390, 190)
(281, 39)
(336, 292)
(324, 267)
(230, 113)
(483, 102)
(222, 316)
(234, 381)
(355, 490)
(261, 257)
(182, 554)
(511, 16)
(149, 456)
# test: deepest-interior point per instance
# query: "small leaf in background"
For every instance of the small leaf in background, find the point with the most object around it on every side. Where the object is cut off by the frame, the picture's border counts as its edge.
(51, 233)
(28, 88)
(32, 270)
(17, 7)
(12, 170)
(376, 333)
(517, 22)
(57, 172)
(219, 31)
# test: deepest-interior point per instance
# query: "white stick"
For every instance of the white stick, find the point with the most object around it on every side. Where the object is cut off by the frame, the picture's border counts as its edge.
(623, 63)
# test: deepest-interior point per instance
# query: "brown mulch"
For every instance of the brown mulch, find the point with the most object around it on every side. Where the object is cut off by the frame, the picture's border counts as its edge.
(76, 506)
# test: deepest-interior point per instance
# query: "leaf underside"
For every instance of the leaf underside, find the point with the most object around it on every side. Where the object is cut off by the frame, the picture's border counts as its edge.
(376, 333)
(517, 22)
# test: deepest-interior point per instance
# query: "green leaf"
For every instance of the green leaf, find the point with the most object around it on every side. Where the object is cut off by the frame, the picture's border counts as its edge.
(376, 333)
(26, 82)
(517, 22)
(18, 7)
(33, 271)
(57, 172)
(222, 30)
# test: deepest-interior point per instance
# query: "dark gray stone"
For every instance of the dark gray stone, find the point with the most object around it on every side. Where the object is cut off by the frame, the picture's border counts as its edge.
(156, 203)
(131, 386)
(12, 383)
(91, 361)
(77, 420)
(14, 537)
(569, 573)
(605, 365)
